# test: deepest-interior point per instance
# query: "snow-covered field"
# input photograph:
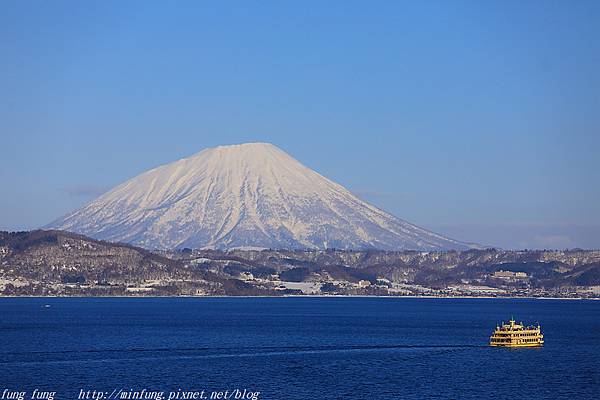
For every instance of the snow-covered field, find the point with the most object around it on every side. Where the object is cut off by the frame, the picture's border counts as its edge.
(305, 287)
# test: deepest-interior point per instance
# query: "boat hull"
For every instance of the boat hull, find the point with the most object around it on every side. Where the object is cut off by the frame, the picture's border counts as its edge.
(517, 345)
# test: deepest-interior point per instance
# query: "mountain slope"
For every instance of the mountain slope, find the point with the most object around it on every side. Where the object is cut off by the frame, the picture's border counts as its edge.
(248, 195)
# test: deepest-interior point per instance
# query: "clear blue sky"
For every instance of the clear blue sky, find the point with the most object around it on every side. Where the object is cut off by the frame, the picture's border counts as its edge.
(478, 119)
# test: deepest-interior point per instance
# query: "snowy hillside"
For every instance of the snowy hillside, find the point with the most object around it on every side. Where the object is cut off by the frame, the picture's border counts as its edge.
(243, 196)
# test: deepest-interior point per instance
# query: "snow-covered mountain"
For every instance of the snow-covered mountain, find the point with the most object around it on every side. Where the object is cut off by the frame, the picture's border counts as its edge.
(240, 196)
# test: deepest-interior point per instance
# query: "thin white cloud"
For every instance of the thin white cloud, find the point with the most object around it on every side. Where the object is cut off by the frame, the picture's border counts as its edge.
(85, 190)
(549, 242)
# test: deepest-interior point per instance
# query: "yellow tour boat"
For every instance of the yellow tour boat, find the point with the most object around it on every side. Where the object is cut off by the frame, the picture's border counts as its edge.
(517, 335)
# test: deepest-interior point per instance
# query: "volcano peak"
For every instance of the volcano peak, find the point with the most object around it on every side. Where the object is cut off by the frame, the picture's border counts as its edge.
(244, 195)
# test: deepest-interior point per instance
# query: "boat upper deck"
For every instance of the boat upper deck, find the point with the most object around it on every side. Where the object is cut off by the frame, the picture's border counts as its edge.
(516, 335)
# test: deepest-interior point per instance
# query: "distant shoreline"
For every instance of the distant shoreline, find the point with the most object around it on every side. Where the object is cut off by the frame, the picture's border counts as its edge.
(303, 296)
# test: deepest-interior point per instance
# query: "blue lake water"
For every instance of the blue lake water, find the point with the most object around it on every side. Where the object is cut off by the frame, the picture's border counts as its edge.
(298, 348)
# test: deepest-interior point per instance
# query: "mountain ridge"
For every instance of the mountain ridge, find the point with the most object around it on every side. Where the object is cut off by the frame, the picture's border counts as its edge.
(58, 263)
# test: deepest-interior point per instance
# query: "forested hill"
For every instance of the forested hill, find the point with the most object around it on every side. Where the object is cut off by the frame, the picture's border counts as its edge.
(61, 263)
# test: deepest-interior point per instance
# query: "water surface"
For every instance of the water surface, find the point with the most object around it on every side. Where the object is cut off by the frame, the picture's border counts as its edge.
(298, 348)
